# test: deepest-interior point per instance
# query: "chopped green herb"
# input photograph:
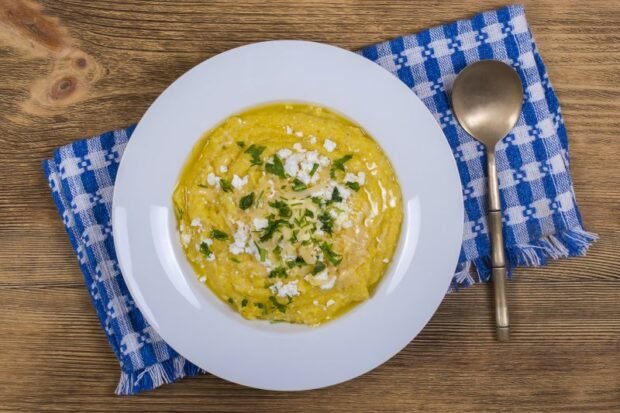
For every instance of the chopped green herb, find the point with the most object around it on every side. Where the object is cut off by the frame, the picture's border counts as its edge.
(294, 236)
(231, 301)
(280, 307)
(225, 185)
(244, 302)
(205, 250)
(246, 201)
(261, 252)
(255, 152)
(329, 253)
(338, 165)
(298, 185)
(318, 267)
(317, 200)
(278, 272)
(306, 242)
(353, 185)
(272, 227)
(314, 169)
(219, 235)
(241, 144)
(235, 259)
(327, 222)
(309, 213)
(259, 305)
(297, 262)
(336, 195)
(203, 186)
(277, 251)
(276, 168)
(259, 197)
(283, 209)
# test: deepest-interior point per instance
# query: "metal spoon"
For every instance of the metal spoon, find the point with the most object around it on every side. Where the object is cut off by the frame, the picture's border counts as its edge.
(487, 97)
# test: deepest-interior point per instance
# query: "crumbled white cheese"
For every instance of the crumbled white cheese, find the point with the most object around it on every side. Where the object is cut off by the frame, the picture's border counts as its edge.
(329, 284)
(322, 280)
(329, 145)
(291, 166)
(329, 303)
(196, 222)
(241, 239)
(312, 139)
(297, 146)
(260, 223)
(299, 134)
(223, 169)
(238, 182)
(213, 179)
(284, 153)
(203, 279)
(289, 130)
(186, 238)
(324, 160)
(360, 178)
(285, 290)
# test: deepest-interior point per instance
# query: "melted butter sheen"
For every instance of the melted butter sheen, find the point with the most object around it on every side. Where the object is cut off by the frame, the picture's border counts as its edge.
(299, 241)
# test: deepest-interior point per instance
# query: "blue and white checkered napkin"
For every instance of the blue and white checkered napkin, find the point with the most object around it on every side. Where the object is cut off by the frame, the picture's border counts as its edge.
(541, 219)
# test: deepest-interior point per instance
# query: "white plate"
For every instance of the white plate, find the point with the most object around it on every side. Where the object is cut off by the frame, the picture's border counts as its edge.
(281, 356)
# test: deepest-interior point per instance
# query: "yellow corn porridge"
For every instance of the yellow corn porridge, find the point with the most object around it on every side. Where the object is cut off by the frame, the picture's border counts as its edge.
(289, 212)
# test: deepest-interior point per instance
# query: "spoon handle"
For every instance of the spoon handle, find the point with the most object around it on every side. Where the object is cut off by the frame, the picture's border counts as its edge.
(498, 257)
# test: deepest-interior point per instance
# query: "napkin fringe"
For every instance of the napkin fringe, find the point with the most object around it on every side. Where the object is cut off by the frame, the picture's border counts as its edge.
(570, 243)
(154, 376)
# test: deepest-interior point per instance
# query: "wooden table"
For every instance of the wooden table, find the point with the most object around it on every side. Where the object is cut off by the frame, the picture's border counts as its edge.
(71, 68)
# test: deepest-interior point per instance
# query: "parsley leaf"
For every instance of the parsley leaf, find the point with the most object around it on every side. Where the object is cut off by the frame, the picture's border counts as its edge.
(280, 307)
(225, 185)
(276, 168)
(255, 152)
(298, 185)
(297, 262)
(262, 254)
(246, 201)
(241, 144)
(327, 222)
(338, 165)
(309, 213)
(336, 195)
(314, 168)
(318, 267)
(353, 185)
(283, 209)
(278, 272)
(331, 256)
(317, 200)
(205, 250)
(219, 235)
(272, 227)
(244, 302)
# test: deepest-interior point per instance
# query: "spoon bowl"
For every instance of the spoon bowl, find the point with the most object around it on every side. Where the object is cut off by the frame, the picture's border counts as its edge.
(487, 98)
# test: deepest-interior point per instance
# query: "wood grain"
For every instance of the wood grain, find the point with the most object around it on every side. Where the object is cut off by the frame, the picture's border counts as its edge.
(70, 68)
